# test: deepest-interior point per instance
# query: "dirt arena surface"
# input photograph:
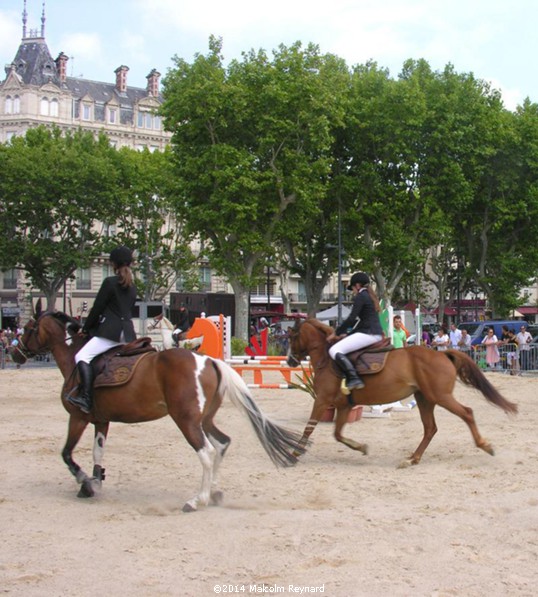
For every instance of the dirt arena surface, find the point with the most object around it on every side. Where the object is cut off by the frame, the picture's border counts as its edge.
(460, 524)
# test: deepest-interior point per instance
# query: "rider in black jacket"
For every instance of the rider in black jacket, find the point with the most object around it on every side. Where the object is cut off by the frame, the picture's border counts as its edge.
(359, 330)
(108, 324)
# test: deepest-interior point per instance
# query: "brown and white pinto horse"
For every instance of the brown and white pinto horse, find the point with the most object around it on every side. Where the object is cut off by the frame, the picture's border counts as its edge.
(188, 387)
(426, 373)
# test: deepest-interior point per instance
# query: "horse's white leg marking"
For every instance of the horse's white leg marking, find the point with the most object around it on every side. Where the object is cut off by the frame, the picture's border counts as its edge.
(99, 448)
(207, 458)
(98, 455)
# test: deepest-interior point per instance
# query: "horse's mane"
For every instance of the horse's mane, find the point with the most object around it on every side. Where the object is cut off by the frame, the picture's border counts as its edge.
(71, 324)
(321, 327)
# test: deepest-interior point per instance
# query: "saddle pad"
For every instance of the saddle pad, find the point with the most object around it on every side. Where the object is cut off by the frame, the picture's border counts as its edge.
(118, 370)
(367, 363)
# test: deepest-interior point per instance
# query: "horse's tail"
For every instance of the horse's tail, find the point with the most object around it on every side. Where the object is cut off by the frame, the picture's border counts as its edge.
(471, 375)
(281, 444)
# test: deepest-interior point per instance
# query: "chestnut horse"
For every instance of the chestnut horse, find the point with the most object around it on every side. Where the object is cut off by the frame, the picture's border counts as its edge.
(188, 387)
(426, 373)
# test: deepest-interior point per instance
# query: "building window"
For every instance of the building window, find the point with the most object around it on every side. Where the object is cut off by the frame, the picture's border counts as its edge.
(157, 122)
(54, 107)
(16, 105)
(112, 115)
(10, 279)
(44, 111)
(140, 119)
(10, 135)
(84, 279)
(180, 283)
(8, 105)
(204, 274)
(109, 230)
(86, 112)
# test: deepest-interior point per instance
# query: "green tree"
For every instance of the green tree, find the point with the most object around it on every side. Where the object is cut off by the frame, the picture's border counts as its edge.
(151, 224)
(250, 140)
(55, 191)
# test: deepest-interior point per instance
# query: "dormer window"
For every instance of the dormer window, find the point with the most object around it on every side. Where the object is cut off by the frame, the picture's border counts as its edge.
(112, 115)
(54, 107)
(86, 112)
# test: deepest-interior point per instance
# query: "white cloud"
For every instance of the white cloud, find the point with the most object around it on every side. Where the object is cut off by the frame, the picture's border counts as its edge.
(85, 50)
(10, 33)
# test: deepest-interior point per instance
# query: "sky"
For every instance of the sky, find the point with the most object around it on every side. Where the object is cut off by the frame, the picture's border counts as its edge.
(496, 40)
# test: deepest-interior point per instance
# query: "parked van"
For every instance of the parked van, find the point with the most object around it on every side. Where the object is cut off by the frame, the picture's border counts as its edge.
(477, 329)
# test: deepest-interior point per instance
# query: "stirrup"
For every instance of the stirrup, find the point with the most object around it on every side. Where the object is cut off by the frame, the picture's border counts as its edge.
(355, 384)
(80, 402)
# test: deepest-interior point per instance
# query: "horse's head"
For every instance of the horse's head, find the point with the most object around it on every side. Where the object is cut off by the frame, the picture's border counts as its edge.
(306, 338)
(297, 347)
(41, 333)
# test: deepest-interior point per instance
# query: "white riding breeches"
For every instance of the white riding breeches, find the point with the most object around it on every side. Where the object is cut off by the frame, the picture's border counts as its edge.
(94, 347)
(353, 342)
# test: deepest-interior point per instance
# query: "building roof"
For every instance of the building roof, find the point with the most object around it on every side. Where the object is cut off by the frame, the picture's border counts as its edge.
(34, 64)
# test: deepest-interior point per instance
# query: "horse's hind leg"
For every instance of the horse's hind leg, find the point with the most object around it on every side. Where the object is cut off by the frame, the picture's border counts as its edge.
(220, 441)
(194, 434)
(76, 428)
(426, 409)
(466, 413)
(341, 418)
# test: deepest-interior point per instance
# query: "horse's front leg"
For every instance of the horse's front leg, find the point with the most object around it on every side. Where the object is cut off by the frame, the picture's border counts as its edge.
(320, 406)
(101, 432)
(77, 425)
(342, 413)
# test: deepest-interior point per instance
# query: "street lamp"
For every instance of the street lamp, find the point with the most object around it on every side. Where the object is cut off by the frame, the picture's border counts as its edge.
(268, 288)
(341, 252)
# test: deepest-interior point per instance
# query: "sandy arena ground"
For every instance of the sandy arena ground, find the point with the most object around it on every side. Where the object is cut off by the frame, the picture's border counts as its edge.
(460, 524)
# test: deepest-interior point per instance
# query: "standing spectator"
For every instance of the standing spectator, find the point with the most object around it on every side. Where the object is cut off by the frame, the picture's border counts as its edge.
(492, 352)
(427, 336)
(509, 339)
(464, 343)
(523, 341)
(15, 343)
(399, 337)
(441, 342)
(455, 336)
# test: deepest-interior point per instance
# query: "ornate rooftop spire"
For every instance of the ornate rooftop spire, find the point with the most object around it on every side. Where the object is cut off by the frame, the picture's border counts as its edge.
(24, 21)
(43, 20)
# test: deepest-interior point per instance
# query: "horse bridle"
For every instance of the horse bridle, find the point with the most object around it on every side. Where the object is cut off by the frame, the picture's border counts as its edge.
(23, 349)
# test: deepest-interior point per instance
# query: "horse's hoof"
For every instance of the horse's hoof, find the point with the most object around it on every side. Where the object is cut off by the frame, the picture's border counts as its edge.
(489, 449)
(364, 449)
(86, 490)
(217, 497)
(189, 508)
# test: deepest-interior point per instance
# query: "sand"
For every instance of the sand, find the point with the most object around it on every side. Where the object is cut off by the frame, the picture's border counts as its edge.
(462, 523)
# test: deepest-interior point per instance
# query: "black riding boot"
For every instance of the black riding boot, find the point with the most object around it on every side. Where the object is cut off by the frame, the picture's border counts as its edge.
(353, 381)
(84, 400)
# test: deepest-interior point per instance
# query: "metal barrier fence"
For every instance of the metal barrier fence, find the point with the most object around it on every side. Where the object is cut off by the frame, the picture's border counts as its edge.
(506, 358)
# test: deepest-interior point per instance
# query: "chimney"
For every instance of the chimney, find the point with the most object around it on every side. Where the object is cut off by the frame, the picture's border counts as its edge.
(121, 78)
(153, 83)
(61, 66)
